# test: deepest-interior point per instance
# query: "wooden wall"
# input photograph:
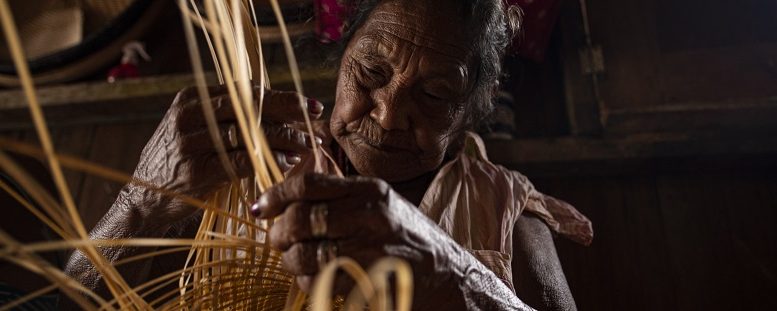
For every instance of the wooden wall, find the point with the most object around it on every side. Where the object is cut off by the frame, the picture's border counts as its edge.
(669, 160)
(676, 227)
(678, 235)
(116, 146)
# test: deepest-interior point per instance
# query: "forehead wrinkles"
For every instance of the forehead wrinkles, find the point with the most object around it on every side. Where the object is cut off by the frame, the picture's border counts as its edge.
(384, 24)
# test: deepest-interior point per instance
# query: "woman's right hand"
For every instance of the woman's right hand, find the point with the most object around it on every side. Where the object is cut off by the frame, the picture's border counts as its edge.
(181, 158)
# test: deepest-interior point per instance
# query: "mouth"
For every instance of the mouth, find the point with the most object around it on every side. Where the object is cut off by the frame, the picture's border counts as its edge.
(358, 139)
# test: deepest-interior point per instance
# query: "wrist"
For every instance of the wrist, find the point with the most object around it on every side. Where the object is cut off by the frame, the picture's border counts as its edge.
(439, 282)
(142, 209)
(470, 284)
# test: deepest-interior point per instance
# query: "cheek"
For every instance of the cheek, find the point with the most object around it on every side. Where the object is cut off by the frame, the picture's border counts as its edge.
(437, 132)
(433, 144)
(351, 101)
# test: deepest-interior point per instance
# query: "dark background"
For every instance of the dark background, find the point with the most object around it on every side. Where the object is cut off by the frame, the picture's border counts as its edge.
(674, 160)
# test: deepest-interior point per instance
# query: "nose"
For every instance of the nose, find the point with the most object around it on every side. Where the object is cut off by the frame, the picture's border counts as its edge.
(392, 105)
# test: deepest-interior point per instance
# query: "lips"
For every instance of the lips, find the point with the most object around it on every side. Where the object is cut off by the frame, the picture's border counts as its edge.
(359, 139)
(366, 131)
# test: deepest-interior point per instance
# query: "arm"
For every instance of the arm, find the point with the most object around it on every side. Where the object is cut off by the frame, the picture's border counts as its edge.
(471, 285)
(181, 158)
(537, 273)
(367, 220)
(126, 219)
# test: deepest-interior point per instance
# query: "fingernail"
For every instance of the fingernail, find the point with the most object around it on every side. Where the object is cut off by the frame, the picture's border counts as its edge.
(256, 209)
(293, 158)
(317, 139)
(315, 107)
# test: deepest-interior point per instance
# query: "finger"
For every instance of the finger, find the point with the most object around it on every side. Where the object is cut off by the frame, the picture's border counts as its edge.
(305, 283)
(301, 258)
(286, 160)
(192, 93)
(299, 188)
(280, 106)
(320, 130)
(289, 139)
(315, 187)
(202, 141)
(192, 115)
(278, 138)
(239, 162)
(294, 226)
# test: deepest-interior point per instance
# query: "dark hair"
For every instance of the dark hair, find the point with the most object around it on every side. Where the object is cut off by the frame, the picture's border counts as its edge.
(499, 26)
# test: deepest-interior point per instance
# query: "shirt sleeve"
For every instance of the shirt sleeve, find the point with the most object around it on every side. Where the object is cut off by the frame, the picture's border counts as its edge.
(560, 216)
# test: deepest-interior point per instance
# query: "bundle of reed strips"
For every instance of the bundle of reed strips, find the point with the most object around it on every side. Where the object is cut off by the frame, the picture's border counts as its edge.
(230, 264)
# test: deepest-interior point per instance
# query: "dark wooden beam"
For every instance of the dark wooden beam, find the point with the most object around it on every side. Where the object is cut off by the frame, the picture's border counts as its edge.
(131, 100)
(633, 147)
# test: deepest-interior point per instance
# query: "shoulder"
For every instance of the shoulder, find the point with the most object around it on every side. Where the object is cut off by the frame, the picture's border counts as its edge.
(510, 185)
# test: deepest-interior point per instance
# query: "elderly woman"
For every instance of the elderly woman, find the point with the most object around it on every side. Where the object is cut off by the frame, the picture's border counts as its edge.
(414, 76)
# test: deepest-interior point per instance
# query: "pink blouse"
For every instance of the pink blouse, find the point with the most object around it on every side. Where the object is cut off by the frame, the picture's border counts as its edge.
(478, 202)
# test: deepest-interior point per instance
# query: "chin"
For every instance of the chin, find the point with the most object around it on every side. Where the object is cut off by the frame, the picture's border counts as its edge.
(389, 166)
(389, 173)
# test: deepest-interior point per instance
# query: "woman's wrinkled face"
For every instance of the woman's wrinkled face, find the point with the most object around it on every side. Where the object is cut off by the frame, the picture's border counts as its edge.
(404, 79)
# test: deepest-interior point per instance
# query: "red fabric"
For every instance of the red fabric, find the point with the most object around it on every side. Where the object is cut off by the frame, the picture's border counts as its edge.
(539, 20)
(329, 20)
(123, 71)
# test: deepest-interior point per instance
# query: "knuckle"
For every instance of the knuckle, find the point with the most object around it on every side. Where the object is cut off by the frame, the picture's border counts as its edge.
(270, 96)
(302, 214)
(381, 186)
(297, 259)
(311, 181)
(271, 130)
(287, 133)
(305, 283)
(290, 260)
(184, 94)
(280, 158)
(297, 136)
(375, 186)
(275, 237)
(296, 217)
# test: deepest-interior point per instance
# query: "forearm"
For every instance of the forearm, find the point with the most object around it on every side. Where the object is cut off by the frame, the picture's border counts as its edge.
(125, 219)
(459, 281)
(537, 272)
(479, 288)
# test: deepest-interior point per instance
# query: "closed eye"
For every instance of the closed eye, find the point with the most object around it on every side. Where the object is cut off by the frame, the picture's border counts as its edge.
(372, 76)
(373, 72)
(433, 95)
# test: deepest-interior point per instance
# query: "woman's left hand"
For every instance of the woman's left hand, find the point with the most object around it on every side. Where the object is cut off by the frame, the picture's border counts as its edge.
(362, 217)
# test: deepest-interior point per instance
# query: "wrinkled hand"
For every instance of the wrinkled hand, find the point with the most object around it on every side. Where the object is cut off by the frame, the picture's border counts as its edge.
(366, 220)
(181, 156)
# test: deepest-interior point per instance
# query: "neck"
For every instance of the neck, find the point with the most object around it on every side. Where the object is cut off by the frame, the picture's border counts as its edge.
(413, 190)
